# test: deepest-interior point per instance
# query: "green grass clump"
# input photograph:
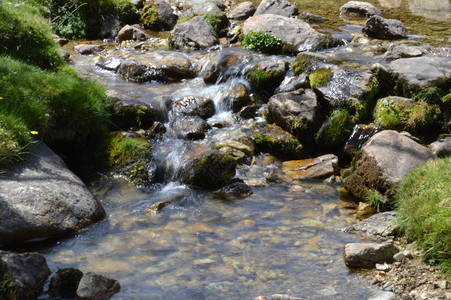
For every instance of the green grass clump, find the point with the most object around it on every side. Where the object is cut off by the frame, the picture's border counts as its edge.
(15, 138)
(261, 41)
(424, 210)
(339, 129)
(25, 35)
(123, 150)
(320, 77)
(216, 21)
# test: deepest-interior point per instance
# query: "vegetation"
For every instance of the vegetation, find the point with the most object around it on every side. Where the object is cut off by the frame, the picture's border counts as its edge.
(320, 77)
(216, 21)
(272, 139)
(261, 41)
(150, 17)
(304, 62)
(338, 130)
(424, 210)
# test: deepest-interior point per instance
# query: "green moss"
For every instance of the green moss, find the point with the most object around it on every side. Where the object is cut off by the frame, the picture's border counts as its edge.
(338, 130)
(261, 41)
(262, 80)
(303, 63)
(327, 42)
(424, 214)
(277, 142)
(216, 21)
(267, 116)
(150, 17)
(320, 77)
(122, 150)
(446, 106)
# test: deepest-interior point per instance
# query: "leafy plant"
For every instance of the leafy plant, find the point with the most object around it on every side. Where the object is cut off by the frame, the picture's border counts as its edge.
(150, 17)
(261, 41)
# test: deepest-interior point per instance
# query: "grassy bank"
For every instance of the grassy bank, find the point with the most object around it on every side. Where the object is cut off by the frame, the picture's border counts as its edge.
(424, 211)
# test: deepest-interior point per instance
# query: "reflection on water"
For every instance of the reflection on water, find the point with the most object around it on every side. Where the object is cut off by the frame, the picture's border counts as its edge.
(282, 239)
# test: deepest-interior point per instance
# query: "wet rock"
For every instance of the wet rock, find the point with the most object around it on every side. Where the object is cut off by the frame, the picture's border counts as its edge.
(397, 51)
(335, 130)
(249, 112)
(270, 138)
(383, 295)
(156, 131)
(236, 190)
(295, 33)
(223, 66)
(266, 76)
(367, 255)
(158, 15)
(138, 3)
(360, 8)
(25, 275)
(318, 167)
(194, 34)
(365, 209)
(212, 170)
(290, 84)
(298, 112)
(243, 11)
(42, 198)
(277, 7)
(192, 128)
(109, 63)
(200, 8)
(242, 144)
(385, 29)
(157, 207)
(236, 97)
(64, 283)
(385, 160)
(361, 133)
(442, 147)
(284, 297)
(311, 18)
(306, 62)
(94, 286)
(86, 49)
(129, 32)
(412, 74)
(198, 106)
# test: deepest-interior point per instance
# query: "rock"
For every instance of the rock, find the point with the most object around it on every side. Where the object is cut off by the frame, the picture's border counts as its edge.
(367, 255)
(64, 283)
(290, 84)
(413, 74)
(199, 106)
(379, 225)
(243, 11)
(383, 295)
(442, 147)
(200, 8)
(249, 112)
(277, 7)
(223, 66)
(397, 51)
(241, 144)
(25, 275)
(385, 29)
(129, 32)
(94, 286)
(365, 209)
(219, 3)
(109, 63)
(156, 131)
(266, 76)
(335, 130)
(236, 97)
(138, 3)
(383, 267)
(319, 167)
(236, 190)
(85, 49)
(110, 28)
(270, 138)
(210, 171)
(307, 62)
(191, 127)
(194, 34)
(284, 297)
(387, 158)
(295, 33)
(41, 198)
(360, 8)
(158, 15)
(399, 257)
(298, 112)
(361, 133)
(311, 18)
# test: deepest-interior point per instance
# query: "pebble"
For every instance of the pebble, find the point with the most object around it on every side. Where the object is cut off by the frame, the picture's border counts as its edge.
(399, 257)
(383, 267)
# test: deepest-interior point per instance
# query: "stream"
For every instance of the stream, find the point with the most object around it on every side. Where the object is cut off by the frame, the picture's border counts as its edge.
(283, 239)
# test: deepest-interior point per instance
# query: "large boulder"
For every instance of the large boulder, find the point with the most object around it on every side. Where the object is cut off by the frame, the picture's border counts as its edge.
(360, 8)
(42, 198)
(385, 29)
(294, 33)
(129, 32)
(194, 34)
(298, 112)
(158, 15)
(94, 286)
(243, 11)
(367, 255)
(25, 275)
(266, 76)
(383, 162)
(277, 7)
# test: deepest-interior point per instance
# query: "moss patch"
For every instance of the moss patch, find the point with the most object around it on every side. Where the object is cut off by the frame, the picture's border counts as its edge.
(216, 21)
(320, 77)
(337, 131)
(150, 17)
(304, 63)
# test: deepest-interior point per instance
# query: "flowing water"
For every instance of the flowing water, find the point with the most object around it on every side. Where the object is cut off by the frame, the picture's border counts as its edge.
(284, 239)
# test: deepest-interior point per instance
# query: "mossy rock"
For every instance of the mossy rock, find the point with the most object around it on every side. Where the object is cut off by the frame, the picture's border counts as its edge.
(212, 170)
(276, 141)
(336, 130)
(305, 62)
(150, 17)
(216, 21)
(266, 76)
(320, 77)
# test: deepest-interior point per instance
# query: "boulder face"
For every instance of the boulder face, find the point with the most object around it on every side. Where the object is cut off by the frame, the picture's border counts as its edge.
(129, 32)
(293, 32)
(386, 159)
(243, 11)
(277, 7)
(360, 8)
(367, 255)
(319, 167)
(266, 76)
(94, 286)
(26, 274)
(385, 29)
(194, 34)
(65, 282)
(42, 198)
(397, 51)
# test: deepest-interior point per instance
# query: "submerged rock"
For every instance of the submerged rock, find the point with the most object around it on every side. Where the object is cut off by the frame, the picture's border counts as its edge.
(379, 225)
(94, 286)
(64, 283)
(41, 198)
(367, 255)
(236, 190)
(236, 97)
(318, 167)
(385, 29)
(277, 7)
(194, 34)
(360, 8)
(86, 49)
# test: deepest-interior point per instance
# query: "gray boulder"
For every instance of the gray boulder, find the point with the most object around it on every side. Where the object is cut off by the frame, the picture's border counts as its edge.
(42, 198)
(385, 29)
(277, 7)
(194, 34)
(397, 51)
(295, 33)
(166, 16)
(94, 286)
(25, 275)
(129, 32)
(442, 147)
(360, 8)
(243, 11)
(367, 255)
(64, 283)
(86, 49)
(378, 225)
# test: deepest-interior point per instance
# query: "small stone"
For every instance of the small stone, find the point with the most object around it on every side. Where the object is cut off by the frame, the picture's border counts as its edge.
(442, 284)
(383, 267)
(383, 295)
(94, 286)
(407, 254)
(399, 256)
(365, 209)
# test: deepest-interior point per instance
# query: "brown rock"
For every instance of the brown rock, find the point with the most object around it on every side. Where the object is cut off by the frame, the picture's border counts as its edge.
(319, 167)
(366, 255)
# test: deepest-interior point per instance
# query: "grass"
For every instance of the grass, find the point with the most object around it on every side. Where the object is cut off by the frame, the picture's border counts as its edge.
(424, 210)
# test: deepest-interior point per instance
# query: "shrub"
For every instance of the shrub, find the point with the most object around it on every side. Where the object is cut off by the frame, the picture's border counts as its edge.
(261, 41)
(424, 210)
(25, 35)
